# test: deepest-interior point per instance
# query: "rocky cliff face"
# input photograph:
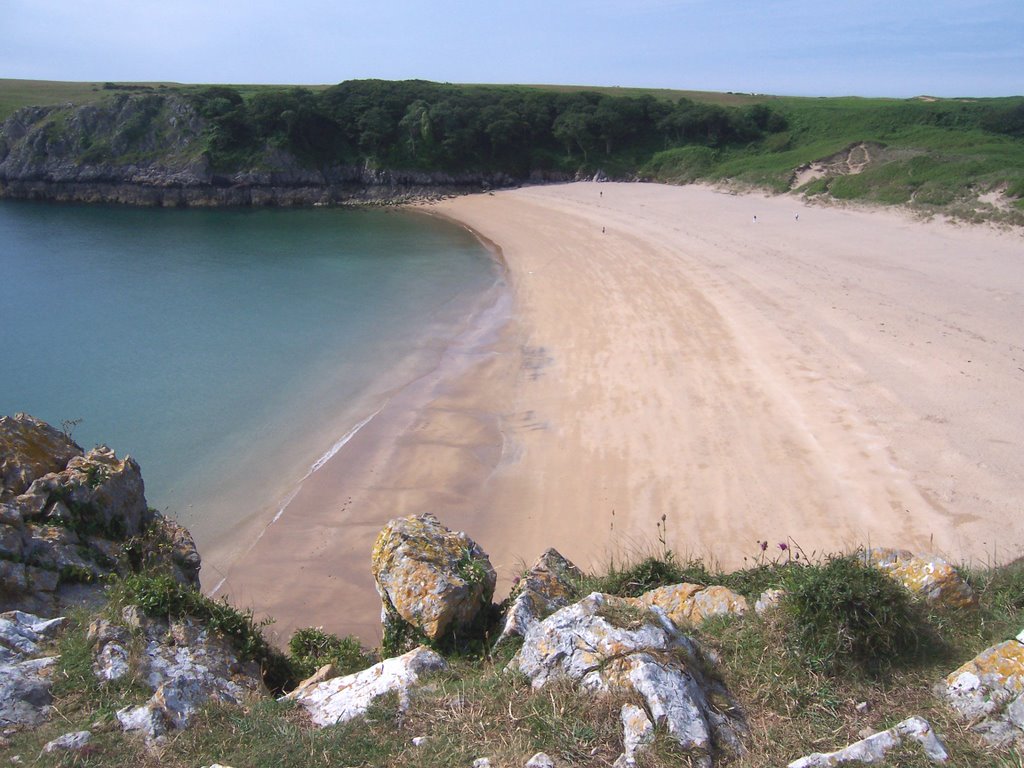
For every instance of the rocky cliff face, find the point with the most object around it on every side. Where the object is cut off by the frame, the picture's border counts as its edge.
(148, 149)
(70, 518)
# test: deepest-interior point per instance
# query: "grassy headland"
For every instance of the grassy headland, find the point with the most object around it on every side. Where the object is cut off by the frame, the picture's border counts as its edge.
(958, 156)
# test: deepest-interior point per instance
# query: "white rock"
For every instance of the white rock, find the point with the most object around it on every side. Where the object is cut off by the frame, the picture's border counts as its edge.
(419, 741)
(150, 720)
(22, 634)
(69, 741)
(606, 643)
(874, 748)
(343, 698)
(637, 734)
(482, 762)
(769, 599)
(540, 760)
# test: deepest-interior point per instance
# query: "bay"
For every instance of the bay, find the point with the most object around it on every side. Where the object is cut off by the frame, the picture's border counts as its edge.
(226, 350)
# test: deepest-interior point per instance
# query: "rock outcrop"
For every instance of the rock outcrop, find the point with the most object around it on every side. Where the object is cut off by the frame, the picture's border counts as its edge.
(688, 605)
(605, 643)
(25, 682)
(184, 663)
(551, 583)
(68, 518)
(341, 699)
(429, 578)
(988, 691)
(928, 577)
(148, 149)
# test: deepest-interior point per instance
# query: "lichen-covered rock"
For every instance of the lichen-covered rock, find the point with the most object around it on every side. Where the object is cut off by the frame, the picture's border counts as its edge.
(929, 577)
(690, 604)
(607, 643)
(110, 643)
(876, 747)
(186, 665)
(550, 584)
(431, 578)
(637, 734)
(989, 691)
(29, 449)
(341, 699)
(80, 518)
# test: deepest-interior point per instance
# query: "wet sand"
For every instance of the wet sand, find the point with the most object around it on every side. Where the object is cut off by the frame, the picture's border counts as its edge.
(821, 376)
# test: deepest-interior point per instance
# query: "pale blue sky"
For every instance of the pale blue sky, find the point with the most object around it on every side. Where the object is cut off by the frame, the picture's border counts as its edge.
(868, 48)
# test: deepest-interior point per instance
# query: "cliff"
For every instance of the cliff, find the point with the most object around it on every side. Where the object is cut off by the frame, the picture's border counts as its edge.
(151, 149)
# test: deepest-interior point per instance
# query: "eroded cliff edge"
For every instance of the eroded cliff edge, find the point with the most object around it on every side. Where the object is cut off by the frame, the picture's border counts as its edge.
(152, 149)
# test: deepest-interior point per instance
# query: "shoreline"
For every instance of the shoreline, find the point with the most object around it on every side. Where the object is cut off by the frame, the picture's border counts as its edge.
(798, 379)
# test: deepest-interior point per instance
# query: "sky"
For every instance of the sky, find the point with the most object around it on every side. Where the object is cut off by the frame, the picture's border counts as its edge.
(896, 48)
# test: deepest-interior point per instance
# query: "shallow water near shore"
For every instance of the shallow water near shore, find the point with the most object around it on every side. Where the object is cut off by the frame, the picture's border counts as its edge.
(228, 351)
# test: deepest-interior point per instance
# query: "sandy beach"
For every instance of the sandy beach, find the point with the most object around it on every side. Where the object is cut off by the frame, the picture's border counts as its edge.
(820, 376)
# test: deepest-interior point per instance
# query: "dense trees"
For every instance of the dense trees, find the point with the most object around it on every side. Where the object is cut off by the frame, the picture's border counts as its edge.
(424, 125)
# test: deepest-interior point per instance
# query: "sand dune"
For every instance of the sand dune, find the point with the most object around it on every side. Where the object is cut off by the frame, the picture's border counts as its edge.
(822, 376)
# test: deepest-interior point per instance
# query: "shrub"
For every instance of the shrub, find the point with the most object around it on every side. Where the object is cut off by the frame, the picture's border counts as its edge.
(311, 648)
(843, 612)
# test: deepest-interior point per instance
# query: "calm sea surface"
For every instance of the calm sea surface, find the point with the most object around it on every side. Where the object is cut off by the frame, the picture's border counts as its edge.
(226, 350)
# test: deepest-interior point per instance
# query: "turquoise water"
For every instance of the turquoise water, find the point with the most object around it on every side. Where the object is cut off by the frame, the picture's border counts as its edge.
(226, 350)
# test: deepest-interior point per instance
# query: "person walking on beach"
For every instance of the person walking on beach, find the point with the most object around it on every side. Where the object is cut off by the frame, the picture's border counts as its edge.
(755, 218)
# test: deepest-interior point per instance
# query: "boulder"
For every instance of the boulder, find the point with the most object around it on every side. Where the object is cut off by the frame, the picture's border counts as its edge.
(29, 449)
(876, 747)
(23, 634)
(186, 665)
(928, 577)
(688, 605)
(430, 578)
(989, 691)
(550, 584)
(606, 643)
(341, 699)
(540, 760)
(25, 683)
(25, 691)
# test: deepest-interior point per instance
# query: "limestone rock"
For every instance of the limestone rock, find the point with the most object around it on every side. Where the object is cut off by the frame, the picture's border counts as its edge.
(768, 600)
(22, 634)
(110, 643)
(69, 742)
(606, 643)
(344, 698)
(637, 734)
(550, 584)
(690, 604)
(929, 577)
(25, 691)
(989, 691)
(540, 760)
(430, 577)
(186, 665)
(874, 748)
(326, 672)
(29, 449)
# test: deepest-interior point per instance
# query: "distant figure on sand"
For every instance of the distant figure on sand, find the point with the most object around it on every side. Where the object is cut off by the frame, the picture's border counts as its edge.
(755, 218)
(796, 217)
(602, 230)
(601, 193)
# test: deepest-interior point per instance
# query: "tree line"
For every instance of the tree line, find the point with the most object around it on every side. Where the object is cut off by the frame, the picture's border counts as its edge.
(433, 126)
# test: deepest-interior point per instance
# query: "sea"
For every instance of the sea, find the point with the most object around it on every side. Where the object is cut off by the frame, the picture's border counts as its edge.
(231, 352)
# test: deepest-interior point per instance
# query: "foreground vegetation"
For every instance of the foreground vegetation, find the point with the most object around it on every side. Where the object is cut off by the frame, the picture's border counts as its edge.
(846, 651)
(959, 156)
